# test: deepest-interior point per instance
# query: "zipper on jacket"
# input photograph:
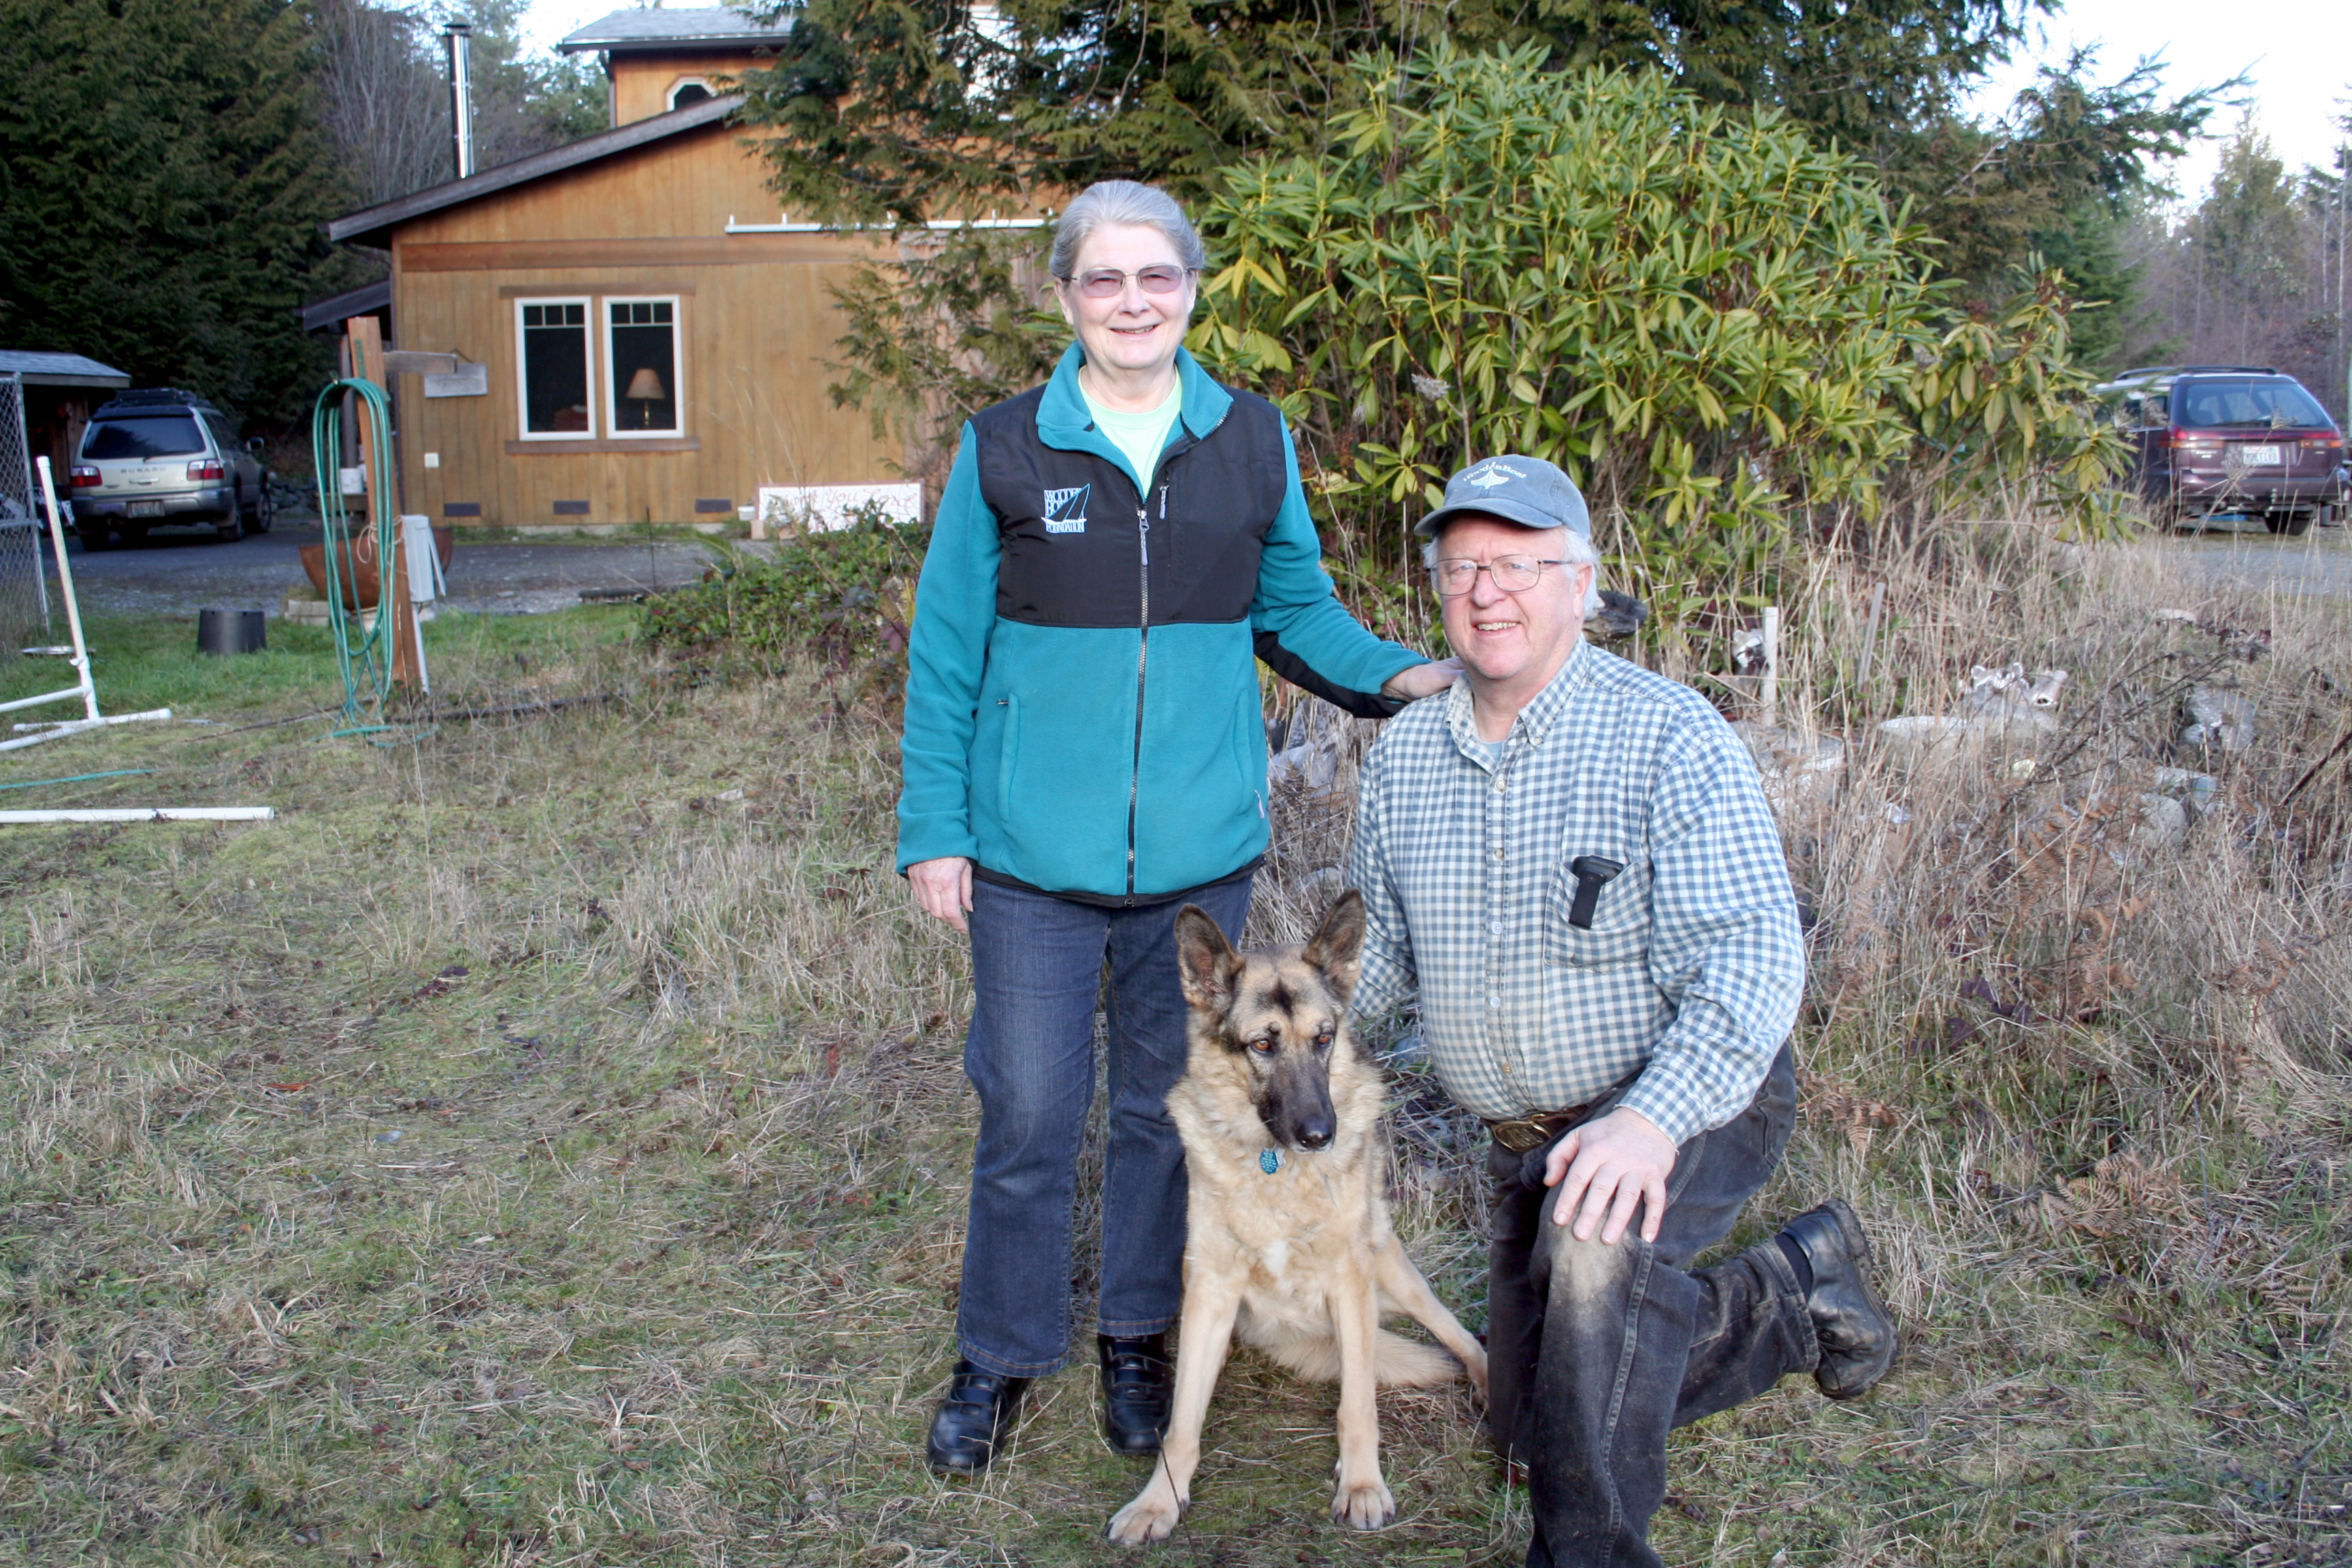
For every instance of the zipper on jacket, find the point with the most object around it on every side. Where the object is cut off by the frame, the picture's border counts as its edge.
(1143, 659)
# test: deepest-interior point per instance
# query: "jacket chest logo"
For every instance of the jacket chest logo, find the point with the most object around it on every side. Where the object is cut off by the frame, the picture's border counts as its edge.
(1066, 511)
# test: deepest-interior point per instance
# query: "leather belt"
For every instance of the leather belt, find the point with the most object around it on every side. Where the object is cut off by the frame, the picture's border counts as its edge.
(1522, 1133)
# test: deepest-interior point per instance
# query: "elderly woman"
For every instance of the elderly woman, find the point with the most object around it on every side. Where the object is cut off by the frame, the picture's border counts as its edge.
(1084, 755)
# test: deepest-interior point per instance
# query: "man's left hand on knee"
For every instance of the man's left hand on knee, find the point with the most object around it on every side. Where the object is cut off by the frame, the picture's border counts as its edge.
(1605, 1169)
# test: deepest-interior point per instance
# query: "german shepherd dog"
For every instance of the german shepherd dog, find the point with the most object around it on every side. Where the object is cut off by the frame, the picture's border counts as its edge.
(1289, 1246)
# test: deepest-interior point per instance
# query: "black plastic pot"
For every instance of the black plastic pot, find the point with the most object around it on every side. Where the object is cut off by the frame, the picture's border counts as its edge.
(231, 631)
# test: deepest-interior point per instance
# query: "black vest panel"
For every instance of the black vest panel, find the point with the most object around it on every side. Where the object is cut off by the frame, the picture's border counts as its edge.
(1075, 539)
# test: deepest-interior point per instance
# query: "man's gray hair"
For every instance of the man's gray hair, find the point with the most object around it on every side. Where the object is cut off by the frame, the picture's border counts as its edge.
(1574, 548)
(1123, 204)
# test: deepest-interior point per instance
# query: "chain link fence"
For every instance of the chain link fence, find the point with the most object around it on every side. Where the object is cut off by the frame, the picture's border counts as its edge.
(24, 580)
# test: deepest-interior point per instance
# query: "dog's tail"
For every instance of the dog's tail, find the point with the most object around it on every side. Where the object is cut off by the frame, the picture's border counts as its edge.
(1396, 1362)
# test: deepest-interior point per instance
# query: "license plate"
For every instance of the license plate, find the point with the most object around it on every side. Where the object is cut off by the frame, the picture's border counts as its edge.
(146, 509)
(2260, 457)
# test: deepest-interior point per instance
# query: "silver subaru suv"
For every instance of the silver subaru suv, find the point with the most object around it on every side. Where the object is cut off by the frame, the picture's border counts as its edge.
(160, 459)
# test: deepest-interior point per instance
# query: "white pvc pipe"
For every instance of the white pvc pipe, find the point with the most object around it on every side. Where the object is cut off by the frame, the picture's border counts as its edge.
(144, 814)
(94, 723)
(64, 581)
(73, 727)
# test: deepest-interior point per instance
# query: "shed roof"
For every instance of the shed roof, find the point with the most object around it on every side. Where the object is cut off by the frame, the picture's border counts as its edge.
(60, 370)
(637, 30)
(334, 309)
(373, 225)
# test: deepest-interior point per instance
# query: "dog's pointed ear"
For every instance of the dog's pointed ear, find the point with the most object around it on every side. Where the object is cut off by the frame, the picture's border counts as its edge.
(1338, 945)
(1205, 962)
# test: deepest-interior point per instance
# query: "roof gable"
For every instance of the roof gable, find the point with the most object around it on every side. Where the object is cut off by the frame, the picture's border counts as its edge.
(373, 225)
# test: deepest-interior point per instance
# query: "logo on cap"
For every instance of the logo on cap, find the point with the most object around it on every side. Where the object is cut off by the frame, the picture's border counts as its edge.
(1493, 474)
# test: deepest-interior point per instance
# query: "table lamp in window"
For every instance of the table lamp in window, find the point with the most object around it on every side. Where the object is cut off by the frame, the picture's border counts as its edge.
(646, 389)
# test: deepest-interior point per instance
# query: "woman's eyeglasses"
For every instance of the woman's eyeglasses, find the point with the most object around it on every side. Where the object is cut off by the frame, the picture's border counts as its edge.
(1109, 282)
(1511, 574)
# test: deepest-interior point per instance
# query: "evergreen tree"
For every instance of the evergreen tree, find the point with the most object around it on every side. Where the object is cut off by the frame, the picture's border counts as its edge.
(894, 109)
(164, 174)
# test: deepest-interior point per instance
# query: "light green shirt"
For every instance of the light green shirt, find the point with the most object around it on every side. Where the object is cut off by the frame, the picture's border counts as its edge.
(1140, 435)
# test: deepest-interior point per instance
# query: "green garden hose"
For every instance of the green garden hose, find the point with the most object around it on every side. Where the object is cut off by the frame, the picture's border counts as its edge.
(362, 653)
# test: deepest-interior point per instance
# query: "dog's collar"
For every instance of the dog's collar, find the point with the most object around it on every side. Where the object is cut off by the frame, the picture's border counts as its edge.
(1270, 1161)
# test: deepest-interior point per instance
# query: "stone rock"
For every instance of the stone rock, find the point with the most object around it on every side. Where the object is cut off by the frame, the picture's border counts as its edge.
(2163, 823)
(1796, 769)
(2210, 716)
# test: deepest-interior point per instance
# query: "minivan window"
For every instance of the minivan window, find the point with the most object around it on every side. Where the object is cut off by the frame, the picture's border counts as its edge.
(2263, 404)
(142, 435)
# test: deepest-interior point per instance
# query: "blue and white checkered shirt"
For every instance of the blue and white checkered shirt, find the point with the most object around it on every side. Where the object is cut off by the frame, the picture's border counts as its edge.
(1692, 967)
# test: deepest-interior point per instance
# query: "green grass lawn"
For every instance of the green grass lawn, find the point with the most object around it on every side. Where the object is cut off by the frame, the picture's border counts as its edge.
(546, 1142)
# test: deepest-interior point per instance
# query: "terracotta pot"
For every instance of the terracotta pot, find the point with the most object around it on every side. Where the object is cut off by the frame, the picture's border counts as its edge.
(360, 581)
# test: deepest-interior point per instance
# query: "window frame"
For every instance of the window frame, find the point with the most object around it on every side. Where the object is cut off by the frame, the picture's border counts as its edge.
(676, 303)
(587, 302)
(670, 105)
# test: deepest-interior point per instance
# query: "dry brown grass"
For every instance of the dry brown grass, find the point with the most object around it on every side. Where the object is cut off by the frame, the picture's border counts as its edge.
(660, 1264)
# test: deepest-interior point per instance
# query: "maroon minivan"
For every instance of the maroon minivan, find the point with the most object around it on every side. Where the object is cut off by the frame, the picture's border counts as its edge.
(2215, 439)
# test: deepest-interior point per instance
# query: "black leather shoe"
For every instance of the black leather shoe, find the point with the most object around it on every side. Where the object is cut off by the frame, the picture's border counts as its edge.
(978, 1410)
(1138, 1381)
(1857, 1332)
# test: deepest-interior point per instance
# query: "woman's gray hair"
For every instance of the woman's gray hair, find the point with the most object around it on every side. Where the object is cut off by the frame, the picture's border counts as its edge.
(1575, 548)
(1125, 203)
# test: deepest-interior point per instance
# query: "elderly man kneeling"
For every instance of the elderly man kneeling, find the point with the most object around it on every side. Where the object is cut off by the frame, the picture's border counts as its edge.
(1570, 860)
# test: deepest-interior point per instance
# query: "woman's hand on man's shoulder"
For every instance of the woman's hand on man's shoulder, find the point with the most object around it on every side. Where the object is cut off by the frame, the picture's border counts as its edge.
(1422, 679)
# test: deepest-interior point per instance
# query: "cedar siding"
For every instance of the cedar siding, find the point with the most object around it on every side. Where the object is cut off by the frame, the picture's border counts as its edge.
(754, 326)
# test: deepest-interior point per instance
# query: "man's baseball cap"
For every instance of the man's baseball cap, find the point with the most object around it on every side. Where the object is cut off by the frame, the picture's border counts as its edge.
(1512, 488)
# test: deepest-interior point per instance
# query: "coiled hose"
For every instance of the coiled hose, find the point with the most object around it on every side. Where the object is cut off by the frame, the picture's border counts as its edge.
(362, 653)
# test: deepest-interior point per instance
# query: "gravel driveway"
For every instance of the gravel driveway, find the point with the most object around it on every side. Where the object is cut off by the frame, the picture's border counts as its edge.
(182, 574)
(2318, 564)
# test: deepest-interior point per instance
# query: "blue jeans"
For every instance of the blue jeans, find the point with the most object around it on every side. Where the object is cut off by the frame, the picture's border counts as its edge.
(1596, 1352)
(1038, 964)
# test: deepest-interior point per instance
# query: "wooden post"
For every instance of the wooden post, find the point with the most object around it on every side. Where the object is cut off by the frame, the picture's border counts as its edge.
(390, 568)
(1770, 704)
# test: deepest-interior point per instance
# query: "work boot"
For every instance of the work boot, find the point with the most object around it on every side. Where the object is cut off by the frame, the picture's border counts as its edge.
(1857, 1333)
(1137, 1383)
(974, 1418)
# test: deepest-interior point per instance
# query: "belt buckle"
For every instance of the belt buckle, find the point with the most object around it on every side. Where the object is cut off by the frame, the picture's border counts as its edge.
(1520, 1134)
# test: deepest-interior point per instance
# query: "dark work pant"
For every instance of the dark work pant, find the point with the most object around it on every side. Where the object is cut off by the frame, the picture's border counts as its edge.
(1596, 1352)
(1037, 967)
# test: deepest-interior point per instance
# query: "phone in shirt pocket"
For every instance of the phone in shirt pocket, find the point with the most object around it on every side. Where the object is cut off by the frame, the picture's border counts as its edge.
(1620, 910)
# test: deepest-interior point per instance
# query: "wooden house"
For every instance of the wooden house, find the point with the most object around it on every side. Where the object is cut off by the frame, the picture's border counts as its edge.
(638, 335)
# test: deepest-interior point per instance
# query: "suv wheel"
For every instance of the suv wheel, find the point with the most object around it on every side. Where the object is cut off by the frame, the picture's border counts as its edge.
(230, 529)
(2293, 524)
(94, 537)
(265, 510)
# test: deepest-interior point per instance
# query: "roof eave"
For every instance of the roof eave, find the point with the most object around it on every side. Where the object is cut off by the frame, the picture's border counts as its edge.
(373, 225)
(675, 45)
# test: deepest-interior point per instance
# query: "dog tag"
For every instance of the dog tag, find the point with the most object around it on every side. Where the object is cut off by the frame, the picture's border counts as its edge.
(1269, 1162)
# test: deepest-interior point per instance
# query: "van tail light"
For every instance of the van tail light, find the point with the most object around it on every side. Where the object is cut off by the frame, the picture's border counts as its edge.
(84, 479)
(2195, 443)
(206, 471)
(2323, 443)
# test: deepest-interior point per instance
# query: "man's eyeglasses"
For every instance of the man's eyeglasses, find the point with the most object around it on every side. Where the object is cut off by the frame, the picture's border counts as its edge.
(1109, 282)
(1511, 574)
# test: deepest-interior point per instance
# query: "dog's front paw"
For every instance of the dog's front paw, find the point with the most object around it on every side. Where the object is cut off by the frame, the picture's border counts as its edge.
(1364, 1505)
(1475, 1371)
(1151, 1517)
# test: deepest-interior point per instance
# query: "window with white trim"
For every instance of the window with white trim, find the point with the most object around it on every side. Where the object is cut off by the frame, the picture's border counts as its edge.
(552, 369)
(641, 368)
(688, 89)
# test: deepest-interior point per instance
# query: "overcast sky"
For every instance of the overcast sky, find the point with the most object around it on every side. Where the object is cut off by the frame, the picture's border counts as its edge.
(2298, 62)
(2298, 65)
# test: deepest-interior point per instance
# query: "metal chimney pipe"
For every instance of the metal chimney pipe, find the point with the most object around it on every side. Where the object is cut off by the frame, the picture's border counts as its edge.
(461, 36)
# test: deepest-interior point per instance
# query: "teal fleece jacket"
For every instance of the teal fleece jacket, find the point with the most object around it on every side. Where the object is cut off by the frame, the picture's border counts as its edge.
(1112, 762)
